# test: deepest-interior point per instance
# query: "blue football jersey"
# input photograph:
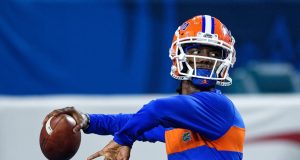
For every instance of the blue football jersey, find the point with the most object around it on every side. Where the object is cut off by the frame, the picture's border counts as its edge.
(202, 125)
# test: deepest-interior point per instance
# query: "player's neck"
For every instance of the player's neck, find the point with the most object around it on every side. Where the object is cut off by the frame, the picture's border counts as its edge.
(188, 88)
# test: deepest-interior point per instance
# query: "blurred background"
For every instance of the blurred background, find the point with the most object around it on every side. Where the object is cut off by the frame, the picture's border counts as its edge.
(111, 56)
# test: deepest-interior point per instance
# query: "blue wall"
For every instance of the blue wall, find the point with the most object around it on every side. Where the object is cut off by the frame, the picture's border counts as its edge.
(116, 47)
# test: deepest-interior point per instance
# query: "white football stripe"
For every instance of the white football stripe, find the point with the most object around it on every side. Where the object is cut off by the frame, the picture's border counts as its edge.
(208, 24)
(49, 130)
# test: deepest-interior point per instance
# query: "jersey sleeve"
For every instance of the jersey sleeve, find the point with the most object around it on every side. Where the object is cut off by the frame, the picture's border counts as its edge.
(208, 114)
(109, 124)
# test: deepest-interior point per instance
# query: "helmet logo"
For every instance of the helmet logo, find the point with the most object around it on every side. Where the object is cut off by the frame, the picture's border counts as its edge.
(184, 26)
(225, 30)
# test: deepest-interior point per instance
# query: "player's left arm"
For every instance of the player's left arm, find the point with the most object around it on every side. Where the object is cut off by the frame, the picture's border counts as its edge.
(109, 124)
(102, 124)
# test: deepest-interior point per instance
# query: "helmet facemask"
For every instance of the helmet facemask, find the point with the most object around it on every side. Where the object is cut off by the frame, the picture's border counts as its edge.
(207, 70)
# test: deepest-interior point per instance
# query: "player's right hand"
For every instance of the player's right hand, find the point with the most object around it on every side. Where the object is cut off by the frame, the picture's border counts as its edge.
(80, 118)
(112, 151)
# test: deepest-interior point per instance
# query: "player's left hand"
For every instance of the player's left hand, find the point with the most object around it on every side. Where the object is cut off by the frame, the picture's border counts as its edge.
(112, 151)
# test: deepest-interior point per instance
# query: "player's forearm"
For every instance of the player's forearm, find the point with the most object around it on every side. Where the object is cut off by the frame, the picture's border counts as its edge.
(103, 124)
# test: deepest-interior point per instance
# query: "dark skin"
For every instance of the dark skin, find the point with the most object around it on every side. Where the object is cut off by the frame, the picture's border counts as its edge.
(113, 150)
(205, 51)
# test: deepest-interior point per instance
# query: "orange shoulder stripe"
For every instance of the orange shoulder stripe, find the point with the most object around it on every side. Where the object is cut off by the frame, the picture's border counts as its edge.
(178, 140)
(225, 143)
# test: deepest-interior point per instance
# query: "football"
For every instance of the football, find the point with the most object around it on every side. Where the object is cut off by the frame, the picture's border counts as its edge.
(57, 139)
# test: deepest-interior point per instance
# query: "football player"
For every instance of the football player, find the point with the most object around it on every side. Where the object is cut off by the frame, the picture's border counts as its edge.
(198, 124)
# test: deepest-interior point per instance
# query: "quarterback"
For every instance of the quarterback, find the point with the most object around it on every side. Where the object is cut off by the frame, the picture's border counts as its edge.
(200, 123)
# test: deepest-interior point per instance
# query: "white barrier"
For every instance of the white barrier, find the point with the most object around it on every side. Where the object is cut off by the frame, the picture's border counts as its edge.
(272, 123)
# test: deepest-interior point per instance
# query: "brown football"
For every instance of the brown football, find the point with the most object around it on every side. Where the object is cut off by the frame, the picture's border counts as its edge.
(57, 139)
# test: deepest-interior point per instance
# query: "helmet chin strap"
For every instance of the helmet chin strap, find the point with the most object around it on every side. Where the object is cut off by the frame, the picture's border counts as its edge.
(201, 82)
